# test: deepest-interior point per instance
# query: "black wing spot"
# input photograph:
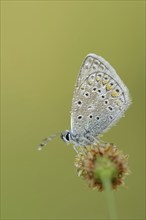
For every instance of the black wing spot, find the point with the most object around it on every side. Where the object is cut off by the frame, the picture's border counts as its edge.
(94, 89)
(79, 102)
(86, 94)
(106, 102)
(80, 117)
(110, 108)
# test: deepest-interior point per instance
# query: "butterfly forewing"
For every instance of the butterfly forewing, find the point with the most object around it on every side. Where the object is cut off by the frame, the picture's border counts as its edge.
(100, 97)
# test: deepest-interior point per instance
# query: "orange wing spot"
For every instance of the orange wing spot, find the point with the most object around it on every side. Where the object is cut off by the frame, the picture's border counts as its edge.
(108, 87)
(98, 78)
(104, 82)
(114, 93)
(118, 102)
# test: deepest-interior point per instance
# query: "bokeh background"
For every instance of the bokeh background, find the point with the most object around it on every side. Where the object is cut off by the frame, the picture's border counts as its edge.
(43, 46)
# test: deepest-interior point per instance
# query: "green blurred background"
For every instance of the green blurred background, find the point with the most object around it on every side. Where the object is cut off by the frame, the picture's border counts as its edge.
(43, 45)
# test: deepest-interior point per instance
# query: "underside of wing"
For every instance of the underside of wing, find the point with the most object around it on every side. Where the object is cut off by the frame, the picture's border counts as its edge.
(100, 97)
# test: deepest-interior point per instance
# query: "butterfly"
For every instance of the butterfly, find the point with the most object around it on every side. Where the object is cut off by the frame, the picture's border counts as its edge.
(100, 99)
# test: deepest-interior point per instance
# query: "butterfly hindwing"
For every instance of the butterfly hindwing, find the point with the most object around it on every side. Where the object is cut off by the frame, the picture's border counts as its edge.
(100, 97)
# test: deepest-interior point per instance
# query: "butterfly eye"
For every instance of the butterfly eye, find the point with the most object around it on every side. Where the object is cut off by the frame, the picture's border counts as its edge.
(67, 136)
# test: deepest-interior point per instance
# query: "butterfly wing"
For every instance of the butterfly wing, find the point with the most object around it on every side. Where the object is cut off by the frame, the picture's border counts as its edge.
(100, 97)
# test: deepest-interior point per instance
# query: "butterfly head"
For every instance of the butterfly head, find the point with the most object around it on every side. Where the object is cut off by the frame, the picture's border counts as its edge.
(66, 136)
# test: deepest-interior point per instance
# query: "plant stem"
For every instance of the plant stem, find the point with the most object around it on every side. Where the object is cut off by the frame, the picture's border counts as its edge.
(109, 198)
(105, 170)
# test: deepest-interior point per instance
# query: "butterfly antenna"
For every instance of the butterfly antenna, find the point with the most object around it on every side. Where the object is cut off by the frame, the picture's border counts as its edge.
(46, 140)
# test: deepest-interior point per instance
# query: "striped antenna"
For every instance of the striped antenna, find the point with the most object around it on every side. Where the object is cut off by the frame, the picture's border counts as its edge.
(46, 140)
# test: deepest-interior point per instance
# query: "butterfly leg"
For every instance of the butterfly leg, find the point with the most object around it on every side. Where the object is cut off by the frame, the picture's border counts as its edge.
(83, 150)
(96, 141)
(92, 141)
(75, 148)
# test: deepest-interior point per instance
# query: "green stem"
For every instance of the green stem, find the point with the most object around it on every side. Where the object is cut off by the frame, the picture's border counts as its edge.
(105, 170)
(109, 198)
